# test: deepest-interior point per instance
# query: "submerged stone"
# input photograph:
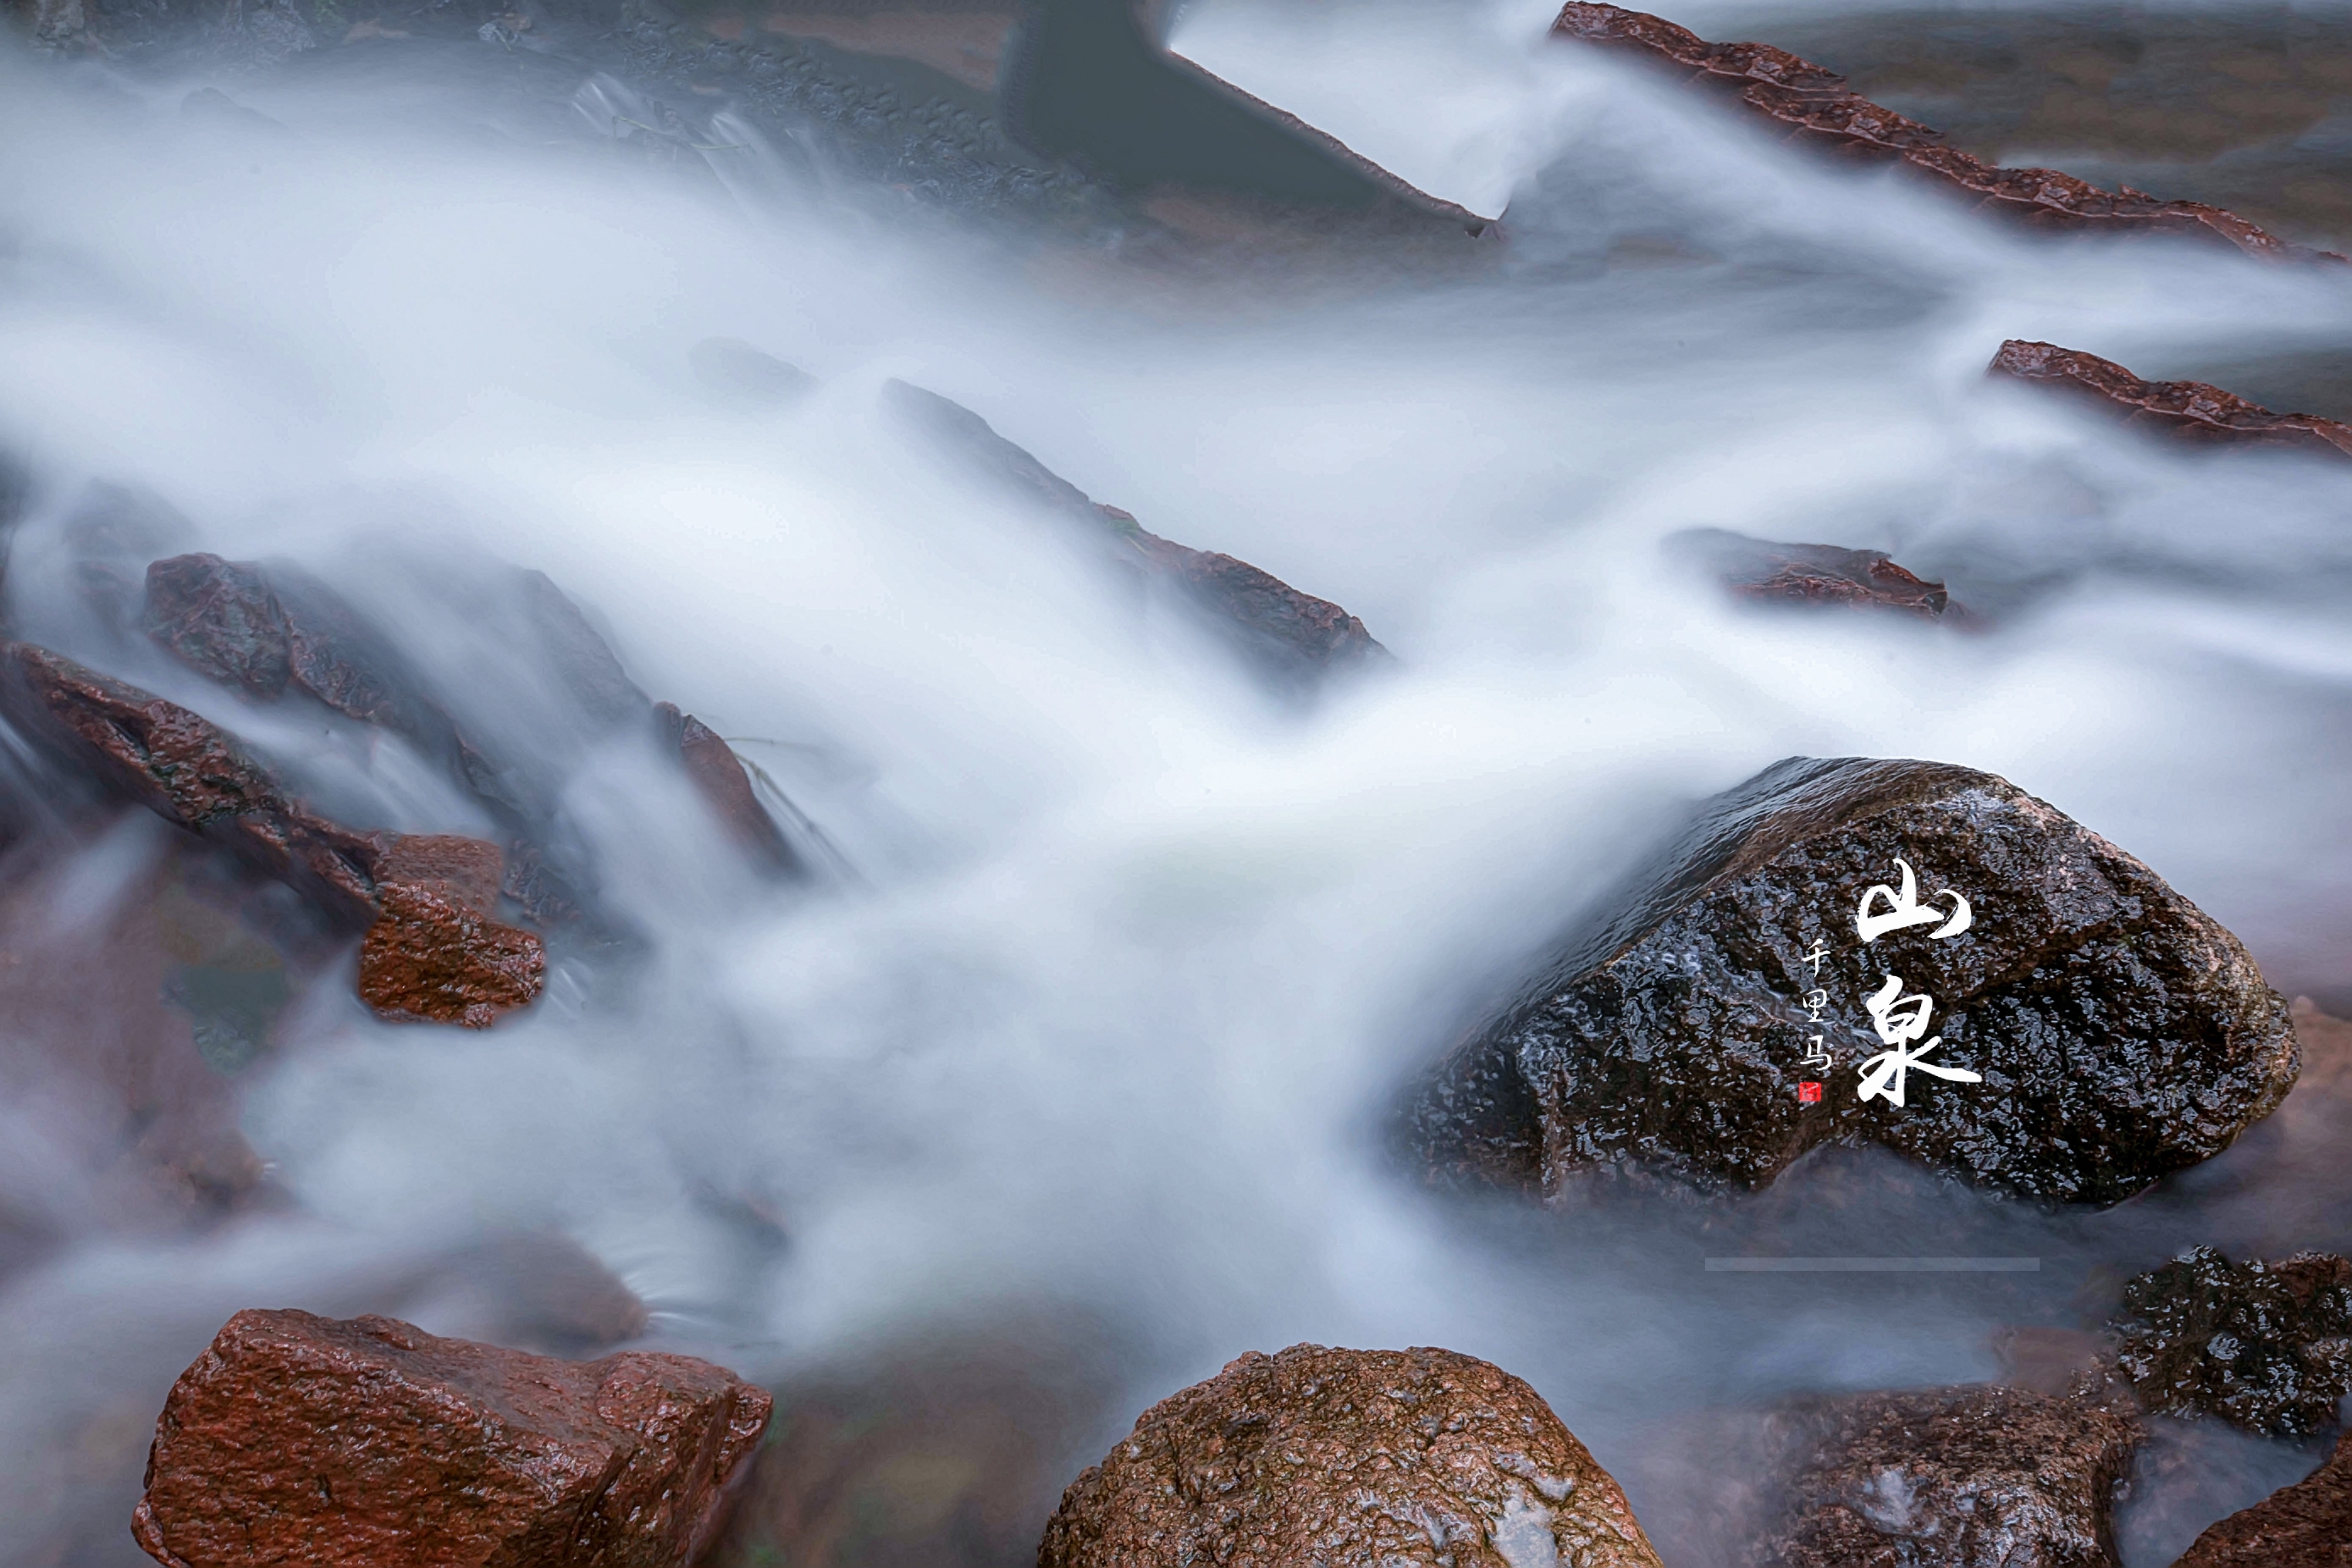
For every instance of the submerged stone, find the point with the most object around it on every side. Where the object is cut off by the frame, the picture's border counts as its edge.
(2306, 1525)
(1315, 1454)
(2115, 1032)
(2189, 410)
(1766, 573)
(2265, 1346)
(355, 1444)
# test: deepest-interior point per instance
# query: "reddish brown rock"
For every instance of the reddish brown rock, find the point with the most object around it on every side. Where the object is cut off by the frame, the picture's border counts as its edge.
(189, 771)
(1772, 574)
(428, 956)
(1949, 1477)
(466, 871)
(719, 778)
(2191, 410)
(297, 1440)
(1818, 108)
(2306, 1525)
(1292, 638)
(1340, 1455)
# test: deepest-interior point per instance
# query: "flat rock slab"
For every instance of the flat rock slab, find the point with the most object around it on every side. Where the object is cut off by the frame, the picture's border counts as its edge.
(1340, 1455)
(2116, 1032)
(1767, 572)
(325, 1443)
(1949, 1478)
(1815, 105)
(2306, 1525)
(2264, 1346)
(2190, 410)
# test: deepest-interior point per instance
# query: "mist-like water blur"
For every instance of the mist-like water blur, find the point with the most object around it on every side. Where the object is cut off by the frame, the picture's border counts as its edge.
(1105, 1026)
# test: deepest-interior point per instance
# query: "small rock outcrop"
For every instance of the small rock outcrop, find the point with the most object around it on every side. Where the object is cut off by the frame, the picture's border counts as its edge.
(2265, 1346)
(1950, 1477)
(353, 1444)
(1340, 1455)
(1291, 638)
(1816, 107)
(2190, 410)
(717, 776)
(2306, 1525)
(431, 950)
(1770, 574)
(1831, 929)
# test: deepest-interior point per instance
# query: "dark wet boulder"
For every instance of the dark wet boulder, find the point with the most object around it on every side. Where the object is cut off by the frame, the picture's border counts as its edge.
(1315, 1454)
(1814, 107)
(1766, 573)
(353, 1444)
(2265, 1346)
(2306, 1525)
(1980, 983)
(2187, 410)
(1947, 1477)
(1291, 639)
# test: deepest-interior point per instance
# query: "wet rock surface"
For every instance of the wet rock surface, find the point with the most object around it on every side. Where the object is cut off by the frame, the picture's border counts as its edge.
(430, 957)
(1766, 573)
(719, 777)
(1949, 1477)
(363, 1441)
(2306, 1525)
(2119, 1032)
(2189, 410)
(1816, 107)
(2266, 1346)
(1290, 638)
(1321, 1455)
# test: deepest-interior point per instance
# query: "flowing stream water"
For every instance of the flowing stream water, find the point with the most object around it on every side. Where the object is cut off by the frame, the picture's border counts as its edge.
(1090, 1056)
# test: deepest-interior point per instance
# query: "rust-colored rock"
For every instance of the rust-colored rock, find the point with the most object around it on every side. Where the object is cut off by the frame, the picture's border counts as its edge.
(428, 956)
(1817, 108)
(1340, 1455)
(719, 778)
(1949, 1478)
(1771, 573)
(2191, 410)
(297, 1440)
(189, 771)
(2306, 1525)
(1292, 638)
(466, 871)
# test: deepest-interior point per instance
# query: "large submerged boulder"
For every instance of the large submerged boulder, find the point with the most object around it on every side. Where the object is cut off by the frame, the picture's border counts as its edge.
(1858, 951)
(359, 1443)
(1338, 1456)
(2265, 1346)
(1949, 1477)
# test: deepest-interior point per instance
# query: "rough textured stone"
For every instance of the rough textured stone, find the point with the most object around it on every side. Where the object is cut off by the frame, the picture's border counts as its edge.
(1292, 638)
(2306, 1525)
(1950, 1477)
(1817, 108)
(428, 956)
(1767, 572)
(2120, 1033)
(190, 771)
(2265, 1346)
(2188, 410)
(1340, 1455)
(297, 1440)
(719, 778)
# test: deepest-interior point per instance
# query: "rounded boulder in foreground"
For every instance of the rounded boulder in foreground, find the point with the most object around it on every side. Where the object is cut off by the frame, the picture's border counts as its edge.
(1316, 1455)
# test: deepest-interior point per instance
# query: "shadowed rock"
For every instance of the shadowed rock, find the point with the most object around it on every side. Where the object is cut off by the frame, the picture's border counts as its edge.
(2190, 410)
(1294, 639)
(2265, 1346)
(355, 1444)
(1949, 1477)
(2119, 1032)
(1816, 108)
(1337, 1455)
(2306, 1525)
(718, 775)
(1771, 573)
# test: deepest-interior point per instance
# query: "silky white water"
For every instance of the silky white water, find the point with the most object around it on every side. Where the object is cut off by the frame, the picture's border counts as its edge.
(1134, 958)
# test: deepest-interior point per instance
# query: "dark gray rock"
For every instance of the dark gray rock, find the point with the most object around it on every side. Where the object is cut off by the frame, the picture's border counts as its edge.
(1949, 1477)
(2119, 1033)
(2265, 1346)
